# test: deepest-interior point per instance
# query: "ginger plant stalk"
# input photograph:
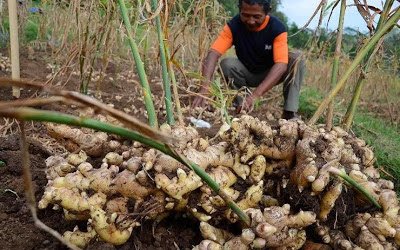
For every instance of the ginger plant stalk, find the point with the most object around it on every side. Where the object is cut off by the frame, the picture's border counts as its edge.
(356, 62)
(140, 67)
(165, 76)
(349, 116)
(353, 183)
(335, 67)
(29, 114)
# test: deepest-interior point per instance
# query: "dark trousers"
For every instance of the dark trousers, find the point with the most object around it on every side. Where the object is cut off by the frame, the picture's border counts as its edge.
(237, 74)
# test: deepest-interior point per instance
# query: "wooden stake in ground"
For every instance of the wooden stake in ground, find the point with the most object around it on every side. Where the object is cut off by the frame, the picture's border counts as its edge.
(13, 17)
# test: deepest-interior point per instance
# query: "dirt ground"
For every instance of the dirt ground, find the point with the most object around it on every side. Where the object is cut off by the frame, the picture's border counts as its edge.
(17, 229)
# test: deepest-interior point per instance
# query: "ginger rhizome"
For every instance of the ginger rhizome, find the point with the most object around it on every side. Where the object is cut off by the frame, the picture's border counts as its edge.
(263, 168)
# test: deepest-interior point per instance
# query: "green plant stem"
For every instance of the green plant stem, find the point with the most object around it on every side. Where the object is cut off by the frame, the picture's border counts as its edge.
(351, 110)
(384, 15)
(29, 114)
(165, 76)
(355, 184)
(357, 61)
(140, 67)
(335, 68)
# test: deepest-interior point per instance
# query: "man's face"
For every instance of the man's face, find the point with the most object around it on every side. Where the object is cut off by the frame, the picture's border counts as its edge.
(252, 16)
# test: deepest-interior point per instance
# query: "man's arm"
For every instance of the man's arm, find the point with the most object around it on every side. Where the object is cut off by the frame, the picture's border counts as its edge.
(218, 48)
(208, 68)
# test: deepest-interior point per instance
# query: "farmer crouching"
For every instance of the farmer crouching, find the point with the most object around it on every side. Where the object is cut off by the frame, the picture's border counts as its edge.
(263, 59)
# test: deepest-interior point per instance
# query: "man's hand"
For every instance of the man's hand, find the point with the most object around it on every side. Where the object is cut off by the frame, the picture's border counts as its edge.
(200, 99)
(209, 64)
(247, 105)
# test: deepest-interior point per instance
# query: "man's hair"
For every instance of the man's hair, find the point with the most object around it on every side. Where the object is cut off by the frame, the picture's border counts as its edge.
(265, 3)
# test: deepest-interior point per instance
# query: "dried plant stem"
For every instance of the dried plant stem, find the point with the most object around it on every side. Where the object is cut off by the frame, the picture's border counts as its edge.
(14, 43)
(174, 87)
(29, 193)
(356, 62)
(320, 6)
(335, 67)
(84, 54)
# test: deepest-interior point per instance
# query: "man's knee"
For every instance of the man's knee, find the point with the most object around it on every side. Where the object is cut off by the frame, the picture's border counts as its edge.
(227, 65)
(296, 56)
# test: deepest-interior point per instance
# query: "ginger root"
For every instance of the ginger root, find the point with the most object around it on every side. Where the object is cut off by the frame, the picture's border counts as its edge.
(211, 233)
(71, 199)
(92, 143)
(101, 178)
(258, 169)
(180, 185)
(78, 238)
(107, 228)
(126, 184)
(329, 199)
(57, 166)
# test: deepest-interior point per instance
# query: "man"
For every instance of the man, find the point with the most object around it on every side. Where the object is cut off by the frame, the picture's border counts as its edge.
(262, 61)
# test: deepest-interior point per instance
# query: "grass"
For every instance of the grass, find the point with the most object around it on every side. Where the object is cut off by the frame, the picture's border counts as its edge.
(383, 137)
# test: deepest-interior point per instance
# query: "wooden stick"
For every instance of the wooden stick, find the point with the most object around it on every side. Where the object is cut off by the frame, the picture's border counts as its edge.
(15, 67)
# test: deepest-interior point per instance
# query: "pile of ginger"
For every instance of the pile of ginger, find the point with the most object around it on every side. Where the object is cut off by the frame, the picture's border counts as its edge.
(252, 161)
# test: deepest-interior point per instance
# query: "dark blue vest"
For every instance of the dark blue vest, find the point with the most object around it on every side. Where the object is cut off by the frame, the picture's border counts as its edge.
(255, 49)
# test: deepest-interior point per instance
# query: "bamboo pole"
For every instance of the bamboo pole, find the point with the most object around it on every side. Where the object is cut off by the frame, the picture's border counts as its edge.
(15, 66)
(335, 68)
(356, 62)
